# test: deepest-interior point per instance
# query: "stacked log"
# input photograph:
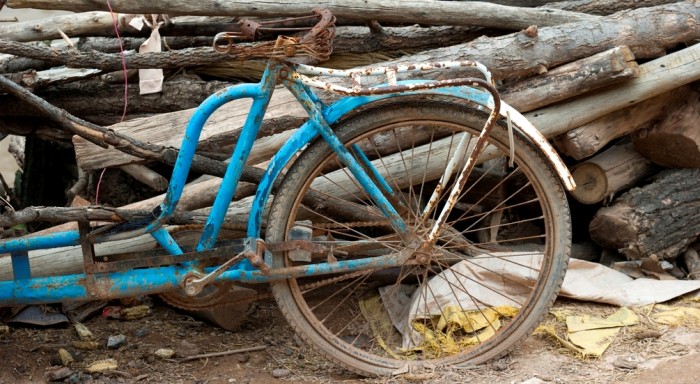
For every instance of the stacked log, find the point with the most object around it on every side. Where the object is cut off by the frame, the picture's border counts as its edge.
(614, 84)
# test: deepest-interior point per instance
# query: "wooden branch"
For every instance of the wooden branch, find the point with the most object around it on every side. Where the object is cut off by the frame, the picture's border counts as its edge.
(605, 7)
(395, 11)
(101, 24)
(589, 138)
(660, 219)
(79, 98)
(113, 61)
(571, 79)
(675, 141)
(146, 176)
(618, 168)
(648, 32)
(656, 77)
(224, 353)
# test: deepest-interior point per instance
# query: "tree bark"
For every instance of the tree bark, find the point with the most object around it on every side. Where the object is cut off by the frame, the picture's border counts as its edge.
(605, 7)
(571, 79)
(675, 141)
(395, 11)
(589, 138)
(79, 98)
(656, 77)
(102, 24)
(617, 168)
(660, 219)
(187, 57)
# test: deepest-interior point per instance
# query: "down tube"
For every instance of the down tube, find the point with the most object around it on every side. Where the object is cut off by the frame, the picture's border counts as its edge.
(299, 139)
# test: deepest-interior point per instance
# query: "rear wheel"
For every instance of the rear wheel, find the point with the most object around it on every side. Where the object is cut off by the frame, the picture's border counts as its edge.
(487, 282)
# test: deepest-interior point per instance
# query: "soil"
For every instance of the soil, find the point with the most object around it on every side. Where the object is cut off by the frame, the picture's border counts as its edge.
(29, 354)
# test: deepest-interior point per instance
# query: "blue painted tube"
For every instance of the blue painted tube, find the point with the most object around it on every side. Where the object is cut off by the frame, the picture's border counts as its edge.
(73, 287)
(52, 240)
(240, 155)
(191, 139)
(20, 266)
(154, 280)
(300, 138)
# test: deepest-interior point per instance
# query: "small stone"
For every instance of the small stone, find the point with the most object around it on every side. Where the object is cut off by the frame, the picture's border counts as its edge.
(136, 312)
(288, 351)
(281, 372)
(141, 332)
(164, 353)
(74, 378)
(85, 345)
(83, 332)
(114, 342)
(500, 365)
(243, 358)
(101, 366)
(188, 349)
(297, 341)
(231, 380)
(60, 374)
(65, 357)
(625, 363)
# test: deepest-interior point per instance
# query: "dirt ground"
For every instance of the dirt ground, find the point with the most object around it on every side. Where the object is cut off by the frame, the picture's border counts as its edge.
(29, 354)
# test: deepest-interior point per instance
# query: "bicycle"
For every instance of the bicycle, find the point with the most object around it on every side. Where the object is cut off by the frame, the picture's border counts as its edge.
(393, 219)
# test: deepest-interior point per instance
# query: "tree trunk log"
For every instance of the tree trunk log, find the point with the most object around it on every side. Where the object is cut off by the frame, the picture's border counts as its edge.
(102, 24)
(605, 7)
(660, 219)
(394, 11)
(79, 98)
(675, 141)
(571, 79)
(611, 171)
(589, 138)
(656, 77)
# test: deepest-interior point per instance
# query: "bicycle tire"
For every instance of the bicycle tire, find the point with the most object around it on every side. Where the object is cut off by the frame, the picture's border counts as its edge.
(331, 313)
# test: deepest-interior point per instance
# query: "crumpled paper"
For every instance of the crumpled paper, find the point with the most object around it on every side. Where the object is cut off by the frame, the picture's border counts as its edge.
(150, 80)
(591, 336)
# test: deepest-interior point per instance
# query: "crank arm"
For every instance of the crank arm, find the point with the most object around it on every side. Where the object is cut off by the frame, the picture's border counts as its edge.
(194, 282)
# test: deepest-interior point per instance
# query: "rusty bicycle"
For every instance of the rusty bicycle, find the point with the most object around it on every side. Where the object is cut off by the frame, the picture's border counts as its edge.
(408, 225)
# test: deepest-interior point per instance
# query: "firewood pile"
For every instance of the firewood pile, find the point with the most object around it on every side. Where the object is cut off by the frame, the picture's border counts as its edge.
(613, 84)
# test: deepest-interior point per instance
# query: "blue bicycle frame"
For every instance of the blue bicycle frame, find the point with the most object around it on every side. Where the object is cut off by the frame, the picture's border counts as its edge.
(25, 289)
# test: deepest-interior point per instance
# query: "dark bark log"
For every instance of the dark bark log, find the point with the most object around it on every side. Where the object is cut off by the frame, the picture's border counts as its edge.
(187, 57)
(395, 11)
(675, 141)
(78, 98)
(660, 219)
